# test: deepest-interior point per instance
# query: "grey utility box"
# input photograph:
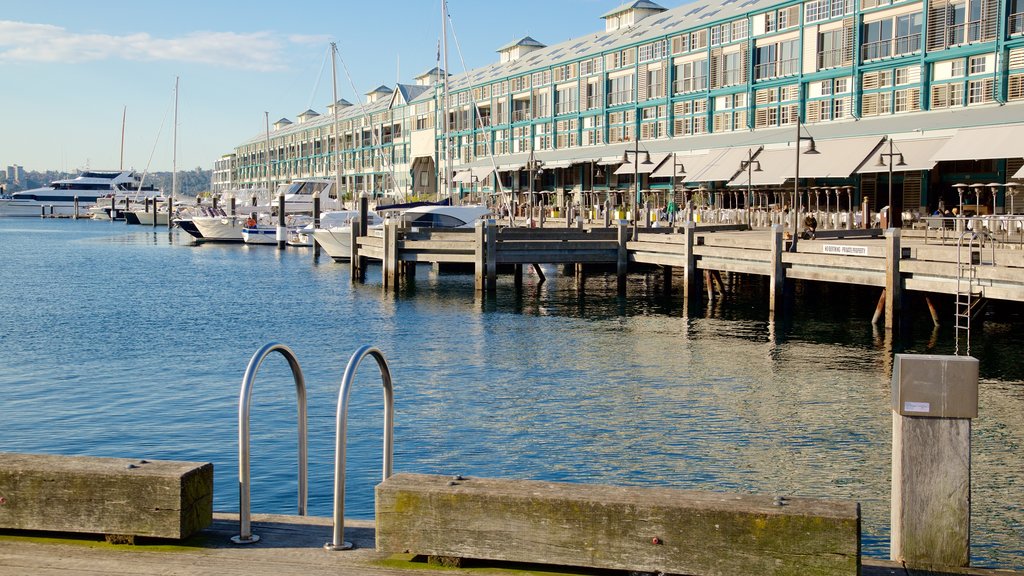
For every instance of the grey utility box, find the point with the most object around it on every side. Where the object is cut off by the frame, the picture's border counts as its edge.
(935, 386)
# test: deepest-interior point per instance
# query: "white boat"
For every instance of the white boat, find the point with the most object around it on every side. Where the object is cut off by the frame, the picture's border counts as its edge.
(443, 216)
(335, 232)
(88, 187)
(263, 230)
(220, 228)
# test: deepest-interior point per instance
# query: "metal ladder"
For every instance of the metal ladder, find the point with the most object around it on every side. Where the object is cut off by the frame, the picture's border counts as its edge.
(968, 289)
(338, 536)
(245, 535)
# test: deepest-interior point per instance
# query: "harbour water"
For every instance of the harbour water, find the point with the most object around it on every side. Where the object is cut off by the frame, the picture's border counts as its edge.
(125, 341)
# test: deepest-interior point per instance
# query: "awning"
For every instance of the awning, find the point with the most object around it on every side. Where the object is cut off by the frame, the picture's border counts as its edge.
(721, 166)
(1019, 173)
(691, 162)
(991, 143)
(480, 173)
(777, 166)
(463, 177)
(516, 167)
(641, 168)
(837, 158)
(917, 154)
(558, 164)
(609, 161)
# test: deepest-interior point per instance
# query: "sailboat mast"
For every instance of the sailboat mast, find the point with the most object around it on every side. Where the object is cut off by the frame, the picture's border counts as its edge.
(124, 118)
(174, 145)
(444, 113)
(266, 120)
(337, 140)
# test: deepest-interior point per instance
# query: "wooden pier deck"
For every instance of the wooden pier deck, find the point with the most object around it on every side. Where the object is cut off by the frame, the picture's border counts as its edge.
(290, 546)
(894, 261)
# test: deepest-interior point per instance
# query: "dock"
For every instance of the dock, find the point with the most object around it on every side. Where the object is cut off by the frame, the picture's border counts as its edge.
(971, 268)
(291, 545)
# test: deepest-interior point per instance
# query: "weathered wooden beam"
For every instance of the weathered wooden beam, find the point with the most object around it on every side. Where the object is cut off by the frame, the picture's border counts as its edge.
(491, 256)
(622, 262)
(639, 529)
(112, 496)
(777, 277)
(893, 278)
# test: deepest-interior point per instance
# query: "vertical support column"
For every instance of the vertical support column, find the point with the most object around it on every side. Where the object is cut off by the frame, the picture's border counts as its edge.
(691, 287)
(232, 204)
(355, 272)
(607, 214)
(280, 223)
(491, 257)
(390, 260)
(622, 262)
(777, 274)
(893, 279)
(934, 399)
(666, 279)
(479, 252)
(76, 207)
(316, 224)
(364, 228)
(170, 210)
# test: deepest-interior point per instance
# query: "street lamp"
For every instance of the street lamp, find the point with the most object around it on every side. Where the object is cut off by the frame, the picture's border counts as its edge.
(811, 149)
(636, 181)
(882, 162)
(535, 167)
(748, 165)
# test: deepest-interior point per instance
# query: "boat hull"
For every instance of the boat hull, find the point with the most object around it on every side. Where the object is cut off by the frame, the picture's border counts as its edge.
(16, 208)
(335, 242)
(220, 228)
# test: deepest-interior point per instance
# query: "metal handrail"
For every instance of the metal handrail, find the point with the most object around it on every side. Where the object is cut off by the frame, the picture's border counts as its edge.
(338, 537)
(244, 400)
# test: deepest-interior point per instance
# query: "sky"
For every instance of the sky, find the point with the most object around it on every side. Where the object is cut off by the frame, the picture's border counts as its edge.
(69, 69)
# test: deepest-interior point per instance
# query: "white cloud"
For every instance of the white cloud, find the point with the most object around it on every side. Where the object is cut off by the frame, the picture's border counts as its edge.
(262, 51)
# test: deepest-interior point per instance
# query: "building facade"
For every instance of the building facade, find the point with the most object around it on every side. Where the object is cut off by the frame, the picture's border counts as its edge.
(705, 84)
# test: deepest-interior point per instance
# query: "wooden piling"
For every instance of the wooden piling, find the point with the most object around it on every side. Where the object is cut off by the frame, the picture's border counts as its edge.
(491, 256)
(281, 236)
(390, 260)
(354, 261)
(777, 276)
(479, 254)
(622, 262)
(691, 283)
(893, 279)
(316, 224)
(170, 210)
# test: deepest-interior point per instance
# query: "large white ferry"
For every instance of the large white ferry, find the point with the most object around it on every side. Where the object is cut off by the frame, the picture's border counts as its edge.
(87, 187)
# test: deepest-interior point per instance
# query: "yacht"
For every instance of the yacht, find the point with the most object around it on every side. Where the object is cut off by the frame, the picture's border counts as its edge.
(298, 199)
(335, 232)
(88, 187)
(443, 216)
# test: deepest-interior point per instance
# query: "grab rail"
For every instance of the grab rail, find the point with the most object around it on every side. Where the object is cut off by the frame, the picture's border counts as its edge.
(245, 531)
(338, 541)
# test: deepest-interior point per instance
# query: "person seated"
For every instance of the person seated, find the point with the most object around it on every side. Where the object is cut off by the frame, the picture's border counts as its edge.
(810, 226)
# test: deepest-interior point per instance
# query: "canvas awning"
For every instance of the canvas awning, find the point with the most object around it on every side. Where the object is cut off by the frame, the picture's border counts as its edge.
(689, 162)
(609, 161)
(990, 143)
(777, 166)
(1019, 173)
(558, 164)
(721, 166)
(917, 154)
(514, 167)
(641, 168)
(837, 158)
(463, 177)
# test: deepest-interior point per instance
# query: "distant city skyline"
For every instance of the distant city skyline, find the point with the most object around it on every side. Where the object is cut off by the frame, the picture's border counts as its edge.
(71, 69)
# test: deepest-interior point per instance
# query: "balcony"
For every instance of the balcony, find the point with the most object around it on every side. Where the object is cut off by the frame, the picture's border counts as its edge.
(594, 102)
(620, 97)
(655, 91)
(908, 44)
(963, 33)
(1015, 23)
(830, 58)
(521, 115)
(566, 107)
(875, 50)
(691, 84)
(732, 77)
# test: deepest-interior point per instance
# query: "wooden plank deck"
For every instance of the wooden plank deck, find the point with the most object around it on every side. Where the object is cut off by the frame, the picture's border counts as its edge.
(290, 546)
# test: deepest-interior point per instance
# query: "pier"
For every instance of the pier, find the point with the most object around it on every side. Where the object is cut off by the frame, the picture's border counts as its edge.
(970, 267)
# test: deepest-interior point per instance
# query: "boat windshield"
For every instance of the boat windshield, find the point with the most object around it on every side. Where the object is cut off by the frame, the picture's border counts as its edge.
(306, 188)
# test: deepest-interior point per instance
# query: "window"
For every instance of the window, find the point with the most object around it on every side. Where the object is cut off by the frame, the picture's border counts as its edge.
(652, 51)
(901, 100)
(655, 87)
(691, 76)
(977, 65)
(877, 40)
(840, 108)
(1015, 25)
(732, 69)
(567, 100)
(739, 28)
(830, 49)
(908, 33)
(620, 90)
(826, 87)
(884, 103)
(777, 60)
(716, 35)
(957, 68)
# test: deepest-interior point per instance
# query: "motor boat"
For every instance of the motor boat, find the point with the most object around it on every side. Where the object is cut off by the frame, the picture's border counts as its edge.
(335, 232)
(443, 216)
(88, 187)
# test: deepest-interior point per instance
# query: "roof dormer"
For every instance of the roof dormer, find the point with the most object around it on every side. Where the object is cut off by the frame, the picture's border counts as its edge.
(629, 14)
(340, 105)
(378, 93)
(307, 115)
(517, 49)
(429, 77)
(282, 123)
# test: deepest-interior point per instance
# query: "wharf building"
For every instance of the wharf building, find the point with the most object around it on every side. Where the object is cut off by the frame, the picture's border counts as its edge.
(698, 88)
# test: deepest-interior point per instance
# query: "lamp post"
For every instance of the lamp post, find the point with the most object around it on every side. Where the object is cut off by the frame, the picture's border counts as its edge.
(748, 165)
(812, 149)
(636, 181)
(677, 169)
(882, 158)
(534, 166)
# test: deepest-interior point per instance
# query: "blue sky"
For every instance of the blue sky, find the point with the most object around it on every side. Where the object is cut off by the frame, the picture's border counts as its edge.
(69, 67)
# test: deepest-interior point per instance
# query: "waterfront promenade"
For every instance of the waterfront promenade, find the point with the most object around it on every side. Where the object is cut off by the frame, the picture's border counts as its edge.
(291, 545)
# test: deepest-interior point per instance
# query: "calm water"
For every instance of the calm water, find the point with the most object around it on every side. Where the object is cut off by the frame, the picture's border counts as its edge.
(121, 341)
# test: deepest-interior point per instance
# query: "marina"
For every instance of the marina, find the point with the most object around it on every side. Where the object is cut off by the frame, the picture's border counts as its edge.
(717, 397)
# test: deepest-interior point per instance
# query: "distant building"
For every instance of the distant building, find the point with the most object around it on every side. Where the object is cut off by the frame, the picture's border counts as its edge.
(222, 179)
(15, 174)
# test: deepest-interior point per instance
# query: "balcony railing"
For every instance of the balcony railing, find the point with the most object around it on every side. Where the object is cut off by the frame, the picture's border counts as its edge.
(691, 84)
(620, 97)
(1016, 23)
(655, 91)
(763, 70)
(963, 33)
(830, 58)
(873, 50)
(567, 107)
(891, 47)
(908, 44)
(594, 102)
(542, 111)
(731, 77)
(520, 115)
